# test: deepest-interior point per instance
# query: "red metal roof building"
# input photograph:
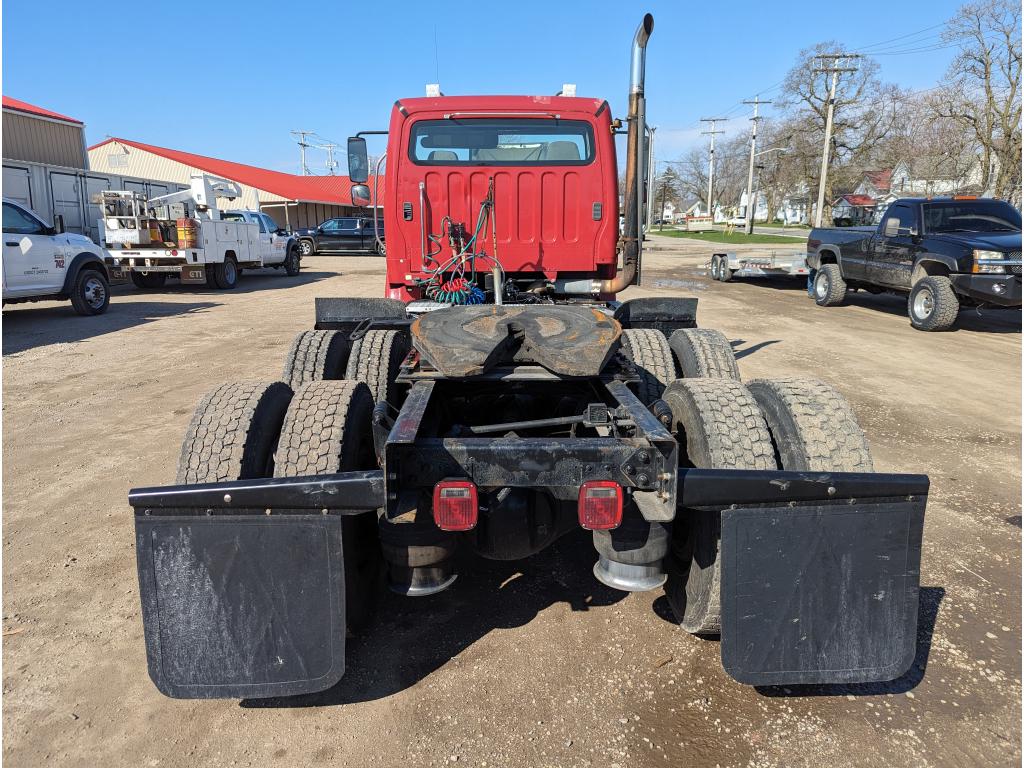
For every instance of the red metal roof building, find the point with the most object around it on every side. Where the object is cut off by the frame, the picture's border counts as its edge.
(37, 135)
(296, 201)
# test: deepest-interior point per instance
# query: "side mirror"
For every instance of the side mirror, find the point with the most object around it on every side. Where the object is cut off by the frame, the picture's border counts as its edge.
(360, 195)
(58, 224)
(358, 164)
(892, 227)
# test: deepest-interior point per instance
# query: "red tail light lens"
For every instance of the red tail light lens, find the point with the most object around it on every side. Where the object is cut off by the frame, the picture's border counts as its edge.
(455, 505)
(600, 505)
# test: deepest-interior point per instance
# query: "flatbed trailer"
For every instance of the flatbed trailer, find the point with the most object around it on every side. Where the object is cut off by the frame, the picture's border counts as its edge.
(773, 263)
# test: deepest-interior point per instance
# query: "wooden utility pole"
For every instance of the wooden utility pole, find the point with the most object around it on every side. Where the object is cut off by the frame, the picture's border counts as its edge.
(830, 63)
(711, 170)
(751, 202)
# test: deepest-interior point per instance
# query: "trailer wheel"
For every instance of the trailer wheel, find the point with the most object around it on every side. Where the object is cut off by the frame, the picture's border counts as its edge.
(226, 274)
(829, 286)
(327, 430)
(714, 267)
(149, 281)
(933, 305)
(316, 355)
(648, 350)
(813, 427)
(703, 353)
(724, 273)
(721, 426)
(376, 359)
(233, 433)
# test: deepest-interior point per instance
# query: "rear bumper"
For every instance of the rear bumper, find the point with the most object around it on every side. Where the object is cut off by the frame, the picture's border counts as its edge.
(997, 290)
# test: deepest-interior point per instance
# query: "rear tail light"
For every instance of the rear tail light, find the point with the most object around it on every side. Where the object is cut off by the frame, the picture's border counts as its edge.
(600, 505)
(455, 505)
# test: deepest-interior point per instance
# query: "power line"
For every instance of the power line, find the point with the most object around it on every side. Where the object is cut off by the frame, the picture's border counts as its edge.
(301, 140)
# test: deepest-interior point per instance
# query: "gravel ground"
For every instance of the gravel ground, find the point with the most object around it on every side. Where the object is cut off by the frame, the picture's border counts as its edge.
(531, 663)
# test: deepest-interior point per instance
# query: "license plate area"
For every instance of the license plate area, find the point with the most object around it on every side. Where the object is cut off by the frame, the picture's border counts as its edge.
(822, 593)
(242, 606)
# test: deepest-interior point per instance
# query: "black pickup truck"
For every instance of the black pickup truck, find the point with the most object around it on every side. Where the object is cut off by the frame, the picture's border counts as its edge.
(342, 234)
(944, 252)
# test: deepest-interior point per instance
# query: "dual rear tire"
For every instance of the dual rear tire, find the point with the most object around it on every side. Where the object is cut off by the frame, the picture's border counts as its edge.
(790, 424)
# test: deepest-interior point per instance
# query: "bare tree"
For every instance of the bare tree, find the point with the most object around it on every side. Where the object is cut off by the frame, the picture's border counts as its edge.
(984, 89)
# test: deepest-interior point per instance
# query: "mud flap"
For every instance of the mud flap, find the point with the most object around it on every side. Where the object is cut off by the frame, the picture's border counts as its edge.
(824, 593)
(242, 606)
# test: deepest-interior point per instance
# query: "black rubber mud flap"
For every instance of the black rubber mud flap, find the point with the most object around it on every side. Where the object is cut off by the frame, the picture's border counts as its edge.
(242, 606)
(821, 594)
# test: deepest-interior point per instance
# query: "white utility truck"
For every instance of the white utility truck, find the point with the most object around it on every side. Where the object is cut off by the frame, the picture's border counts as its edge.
(203, 245)
(43, 262)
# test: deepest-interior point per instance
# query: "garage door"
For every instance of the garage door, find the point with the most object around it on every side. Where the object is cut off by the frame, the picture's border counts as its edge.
(17, 186)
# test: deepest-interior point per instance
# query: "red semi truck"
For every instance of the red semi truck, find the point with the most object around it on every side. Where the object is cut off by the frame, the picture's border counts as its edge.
(500, 396)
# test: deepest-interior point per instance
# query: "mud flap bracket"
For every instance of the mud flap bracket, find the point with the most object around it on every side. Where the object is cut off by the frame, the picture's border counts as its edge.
(821, 593)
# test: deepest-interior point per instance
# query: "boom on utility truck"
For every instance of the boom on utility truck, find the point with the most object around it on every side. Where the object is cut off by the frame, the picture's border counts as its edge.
(499, 397)
(204, 245)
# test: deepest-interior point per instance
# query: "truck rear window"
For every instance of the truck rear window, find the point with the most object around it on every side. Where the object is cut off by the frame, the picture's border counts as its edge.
(485, 141)
(971, 216)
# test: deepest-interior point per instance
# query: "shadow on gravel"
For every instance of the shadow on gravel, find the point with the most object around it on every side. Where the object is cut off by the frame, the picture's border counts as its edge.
(412, 637)
(741, 353)
(970, 319)
(250, 281)
(30, 327)
(929, 599)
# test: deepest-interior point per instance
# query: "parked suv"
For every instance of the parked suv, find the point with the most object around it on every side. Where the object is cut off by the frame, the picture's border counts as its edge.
(342, 234)
(43, 263)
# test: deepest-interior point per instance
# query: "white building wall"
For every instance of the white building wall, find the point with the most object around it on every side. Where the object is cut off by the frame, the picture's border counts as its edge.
(126, 160)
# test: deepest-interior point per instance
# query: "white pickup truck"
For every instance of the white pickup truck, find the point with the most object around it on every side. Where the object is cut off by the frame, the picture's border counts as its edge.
(205, 246)
(44, 262)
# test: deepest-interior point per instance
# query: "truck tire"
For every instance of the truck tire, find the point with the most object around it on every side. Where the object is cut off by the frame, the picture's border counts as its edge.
(226, 273)
(90, 293)
(376, 359)
(233, 433)
(721, 426)
(327, 430)
(703, 353)
(149, 281)
(315, 356)
(306, 248)
(829, 286)
(933, 305)
(292, 263)
(714, 267)
(648, 350)
(812, 425)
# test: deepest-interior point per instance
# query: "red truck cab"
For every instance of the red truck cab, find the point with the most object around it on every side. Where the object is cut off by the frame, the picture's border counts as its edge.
(550, 161)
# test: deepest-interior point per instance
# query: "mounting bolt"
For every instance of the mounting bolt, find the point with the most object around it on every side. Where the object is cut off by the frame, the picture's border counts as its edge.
(323, 511)
(644, 457)
(227, 498)
(643, 479)
(266, 511)
(629, 469)
(831, 490)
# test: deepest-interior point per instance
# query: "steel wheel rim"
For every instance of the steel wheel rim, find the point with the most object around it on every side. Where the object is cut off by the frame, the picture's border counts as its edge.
(94, 292)
(821, 286)
(924, 303)
(715, 267)
(230, 271)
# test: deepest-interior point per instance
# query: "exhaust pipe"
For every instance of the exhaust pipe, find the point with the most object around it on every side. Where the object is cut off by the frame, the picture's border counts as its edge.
(635, 155)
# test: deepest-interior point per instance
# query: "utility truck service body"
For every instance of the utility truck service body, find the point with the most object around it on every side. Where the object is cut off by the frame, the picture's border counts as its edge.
(205, 246)
(499, 397)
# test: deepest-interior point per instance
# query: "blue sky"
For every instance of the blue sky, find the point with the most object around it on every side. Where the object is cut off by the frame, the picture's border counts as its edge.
(252, 71)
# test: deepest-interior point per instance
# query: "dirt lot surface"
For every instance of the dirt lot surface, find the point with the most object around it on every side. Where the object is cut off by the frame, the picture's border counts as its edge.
(519, 664)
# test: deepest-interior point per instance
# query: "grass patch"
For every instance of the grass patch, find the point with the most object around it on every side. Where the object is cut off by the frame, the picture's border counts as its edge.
(735, 238)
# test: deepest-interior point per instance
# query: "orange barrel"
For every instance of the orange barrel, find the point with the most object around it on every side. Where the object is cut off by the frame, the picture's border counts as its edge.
(188, 233)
